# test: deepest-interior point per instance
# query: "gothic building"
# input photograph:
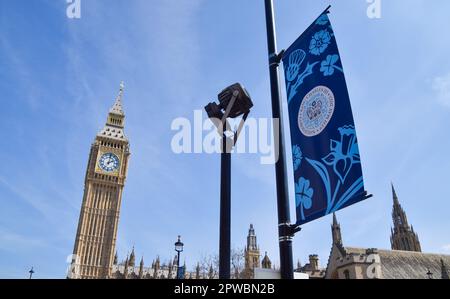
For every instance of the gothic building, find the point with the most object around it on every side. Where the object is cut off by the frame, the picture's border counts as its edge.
(403, 236)
(252, 256)
(128, 269)
(251, 251)
(266, 262)
(95, 241)
(404, 261)
(312, 268)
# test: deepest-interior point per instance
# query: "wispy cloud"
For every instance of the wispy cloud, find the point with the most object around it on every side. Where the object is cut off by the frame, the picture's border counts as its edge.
(41, 201)
(20, 73)
(441, 86)
(10, 241)
(26, 196)
(446, 248)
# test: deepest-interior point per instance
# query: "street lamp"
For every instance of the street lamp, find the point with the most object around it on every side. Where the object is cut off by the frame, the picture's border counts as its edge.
(31, 272)
(234, 102)
(178, 248)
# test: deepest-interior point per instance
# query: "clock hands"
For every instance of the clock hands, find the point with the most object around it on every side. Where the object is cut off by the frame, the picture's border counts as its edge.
(109, 162)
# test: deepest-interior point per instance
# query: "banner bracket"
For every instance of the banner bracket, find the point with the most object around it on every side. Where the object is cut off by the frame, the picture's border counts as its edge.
(327, 10)
(289, 230)
(280, 55)
(293, 229)
(367, 195)
(275, 59)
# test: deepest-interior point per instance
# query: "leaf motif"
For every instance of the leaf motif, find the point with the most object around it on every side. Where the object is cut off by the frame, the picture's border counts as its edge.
(342, 167)
(354, 188)
(329, 159)
(297, 157)
(307, 202)
(323, 173)
(303, 196)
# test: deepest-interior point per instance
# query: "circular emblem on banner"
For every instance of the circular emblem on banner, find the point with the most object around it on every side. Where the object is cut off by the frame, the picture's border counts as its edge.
(316, 111)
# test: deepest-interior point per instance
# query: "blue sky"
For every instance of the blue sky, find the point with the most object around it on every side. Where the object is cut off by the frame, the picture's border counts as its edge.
(59, 77)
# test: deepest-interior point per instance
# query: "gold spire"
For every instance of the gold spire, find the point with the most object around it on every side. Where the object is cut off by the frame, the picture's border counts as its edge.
(114, 127)
(117, 108)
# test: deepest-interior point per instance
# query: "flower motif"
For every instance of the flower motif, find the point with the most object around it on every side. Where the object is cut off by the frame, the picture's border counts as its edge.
(322, 20)
(329, 65)
(319, 42)
(295, 61)
(297, 157)
(303, 195)
(344, 154)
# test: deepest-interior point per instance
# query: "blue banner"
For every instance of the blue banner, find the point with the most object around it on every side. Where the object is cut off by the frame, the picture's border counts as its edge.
(327, 167)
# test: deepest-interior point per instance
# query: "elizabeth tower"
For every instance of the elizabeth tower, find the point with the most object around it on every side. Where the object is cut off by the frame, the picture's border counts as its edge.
(99, 217)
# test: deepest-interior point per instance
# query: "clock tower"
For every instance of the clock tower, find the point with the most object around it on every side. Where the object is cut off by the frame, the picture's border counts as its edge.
(99, 217)
(251, 254)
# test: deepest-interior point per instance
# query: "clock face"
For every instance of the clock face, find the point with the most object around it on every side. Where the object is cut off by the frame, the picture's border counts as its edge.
(109, 162)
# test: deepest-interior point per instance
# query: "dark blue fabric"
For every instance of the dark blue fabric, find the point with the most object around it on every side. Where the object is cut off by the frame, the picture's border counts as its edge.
(327, 167)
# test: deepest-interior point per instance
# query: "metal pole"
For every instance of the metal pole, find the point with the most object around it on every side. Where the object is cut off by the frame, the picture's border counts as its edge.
(225, 210)
(178, 265)
(285, 239)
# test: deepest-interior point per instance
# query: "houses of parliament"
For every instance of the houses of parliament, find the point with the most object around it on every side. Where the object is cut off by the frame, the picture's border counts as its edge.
(94, 254)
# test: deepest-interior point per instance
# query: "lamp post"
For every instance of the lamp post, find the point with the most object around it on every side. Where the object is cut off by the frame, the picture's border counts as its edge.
(234, 102)
(31, 272)
(178, 248)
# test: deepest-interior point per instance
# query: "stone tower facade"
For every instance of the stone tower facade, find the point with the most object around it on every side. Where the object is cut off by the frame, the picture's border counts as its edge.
(266, 262)
(336, 231)
(403, 236)
(95, 241)
(252, 255)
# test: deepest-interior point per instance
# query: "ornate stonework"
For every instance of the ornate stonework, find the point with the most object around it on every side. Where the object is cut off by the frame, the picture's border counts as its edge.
(371, 263)
(251, 253)
(99, 217)
(403, 236)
